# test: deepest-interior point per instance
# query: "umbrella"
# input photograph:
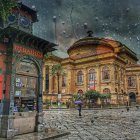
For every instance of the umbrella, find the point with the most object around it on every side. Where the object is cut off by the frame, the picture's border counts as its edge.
(78, 102)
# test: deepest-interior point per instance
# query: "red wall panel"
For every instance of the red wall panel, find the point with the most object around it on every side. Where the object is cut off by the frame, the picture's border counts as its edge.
(1, 86)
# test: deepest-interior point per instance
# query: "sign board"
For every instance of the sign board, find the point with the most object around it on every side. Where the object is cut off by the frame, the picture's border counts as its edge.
(28, 51)
(18, 93)
(59, 96)
(92, 85)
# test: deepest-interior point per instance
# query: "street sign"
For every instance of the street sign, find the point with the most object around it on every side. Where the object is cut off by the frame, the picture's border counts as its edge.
(59, 96)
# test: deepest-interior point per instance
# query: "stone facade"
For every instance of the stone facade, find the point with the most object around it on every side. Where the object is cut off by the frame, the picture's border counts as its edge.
(103, 64)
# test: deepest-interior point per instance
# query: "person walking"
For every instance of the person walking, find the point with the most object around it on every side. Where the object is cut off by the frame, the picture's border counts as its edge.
(68, 103)
(79, 109)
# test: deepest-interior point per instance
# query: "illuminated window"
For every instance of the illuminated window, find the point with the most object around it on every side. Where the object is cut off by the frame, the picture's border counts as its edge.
(92, 75)
(131, 81)
(105, 73)
(80, 77)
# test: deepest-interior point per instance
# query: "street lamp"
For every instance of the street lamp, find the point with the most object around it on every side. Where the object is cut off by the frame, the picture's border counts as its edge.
(54, 20)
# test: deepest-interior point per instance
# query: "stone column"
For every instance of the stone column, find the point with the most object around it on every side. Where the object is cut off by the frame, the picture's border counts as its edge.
(40, 121)
(125, 82)
(98, 78)
(137, 83)
(112, 78)
(69, 76)
(50, 79)
(138, 88)
(44, 78)
(85, 79)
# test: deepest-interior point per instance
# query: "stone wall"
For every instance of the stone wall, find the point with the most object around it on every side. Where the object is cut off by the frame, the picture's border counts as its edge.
(24, 122)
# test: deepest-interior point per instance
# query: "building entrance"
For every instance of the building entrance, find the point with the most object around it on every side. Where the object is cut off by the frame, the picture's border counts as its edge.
(132, 97)
(25, 86)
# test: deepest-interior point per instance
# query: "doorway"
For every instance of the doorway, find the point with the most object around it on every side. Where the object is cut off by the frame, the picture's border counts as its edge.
(132, 97)
(26, 86)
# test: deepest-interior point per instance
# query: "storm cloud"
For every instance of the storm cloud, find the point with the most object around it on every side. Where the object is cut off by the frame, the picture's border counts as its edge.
(65, 21)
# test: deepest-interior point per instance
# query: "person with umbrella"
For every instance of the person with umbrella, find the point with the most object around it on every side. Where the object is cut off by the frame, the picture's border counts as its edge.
(79, 104)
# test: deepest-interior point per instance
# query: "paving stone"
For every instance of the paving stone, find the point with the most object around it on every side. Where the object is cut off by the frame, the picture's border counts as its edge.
(109, 124)
(113, 124)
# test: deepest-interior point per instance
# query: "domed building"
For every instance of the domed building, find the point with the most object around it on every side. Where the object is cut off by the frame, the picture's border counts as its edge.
(102, 64)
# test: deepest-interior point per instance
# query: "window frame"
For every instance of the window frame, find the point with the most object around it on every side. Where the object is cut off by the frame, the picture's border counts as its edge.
(105, 70)
(80, 77)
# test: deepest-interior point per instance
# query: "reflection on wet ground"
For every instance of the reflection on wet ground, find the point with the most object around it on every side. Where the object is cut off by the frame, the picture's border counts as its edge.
(109, 124)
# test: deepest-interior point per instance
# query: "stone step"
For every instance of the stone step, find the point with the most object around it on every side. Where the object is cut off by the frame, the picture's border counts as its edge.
(48, 134)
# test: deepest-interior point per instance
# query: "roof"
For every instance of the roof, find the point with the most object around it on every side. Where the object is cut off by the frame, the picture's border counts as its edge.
(28, 39)
(89, 41)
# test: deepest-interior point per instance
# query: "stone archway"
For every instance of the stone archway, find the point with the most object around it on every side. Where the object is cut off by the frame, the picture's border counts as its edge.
(132, 97)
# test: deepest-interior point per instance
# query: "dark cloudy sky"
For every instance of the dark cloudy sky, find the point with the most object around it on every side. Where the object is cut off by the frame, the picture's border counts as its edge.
(65, 21)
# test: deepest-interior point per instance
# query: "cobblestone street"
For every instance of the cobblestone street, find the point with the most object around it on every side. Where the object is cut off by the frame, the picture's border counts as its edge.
(109, 124)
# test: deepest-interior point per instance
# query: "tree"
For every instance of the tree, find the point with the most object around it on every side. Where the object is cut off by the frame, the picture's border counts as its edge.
(6, 7)
(91, 95)
(57, 70)
(104, 97)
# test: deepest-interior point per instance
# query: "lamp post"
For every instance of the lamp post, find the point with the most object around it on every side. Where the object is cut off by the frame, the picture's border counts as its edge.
(54, 20)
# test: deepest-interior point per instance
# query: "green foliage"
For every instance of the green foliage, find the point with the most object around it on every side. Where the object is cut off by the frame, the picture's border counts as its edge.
(105, 96)
(6, 7)
(57, 69)
(92, 94)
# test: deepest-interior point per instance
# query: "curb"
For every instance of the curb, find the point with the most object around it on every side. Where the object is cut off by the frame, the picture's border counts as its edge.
(56, 136)
(51, 134)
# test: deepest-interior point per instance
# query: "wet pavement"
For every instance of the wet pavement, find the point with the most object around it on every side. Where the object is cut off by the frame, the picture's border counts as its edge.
(109, 124)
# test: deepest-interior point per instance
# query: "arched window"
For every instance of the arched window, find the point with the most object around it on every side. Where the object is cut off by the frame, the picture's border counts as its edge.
(80, 77)
(105, 73)
(131, 81)
(106, 90)
(63, 80)
(92, 75)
